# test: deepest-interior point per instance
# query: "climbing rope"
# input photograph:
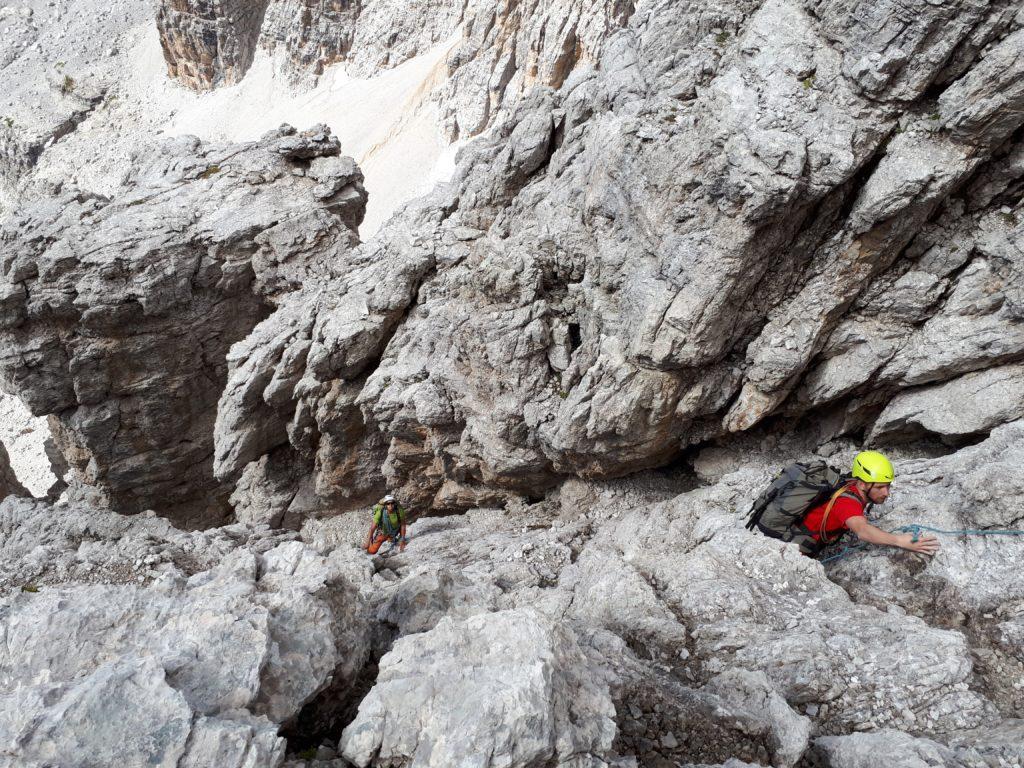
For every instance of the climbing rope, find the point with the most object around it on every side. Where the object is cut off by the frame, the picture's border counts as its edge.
(916, 530)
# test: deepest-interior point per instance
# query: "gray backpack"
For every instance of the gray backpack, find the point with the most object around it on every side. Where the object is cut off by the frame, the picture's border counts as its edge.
(780, 509)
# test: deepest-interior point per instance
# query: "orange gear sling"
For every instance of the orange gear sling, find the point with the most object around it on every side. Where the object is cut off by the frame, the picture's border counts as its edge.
(823, 539)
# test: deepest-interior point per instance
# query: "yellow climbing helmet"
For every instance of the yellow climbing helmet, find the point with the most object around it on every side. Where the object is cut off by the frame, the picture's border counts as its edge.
(873, 467)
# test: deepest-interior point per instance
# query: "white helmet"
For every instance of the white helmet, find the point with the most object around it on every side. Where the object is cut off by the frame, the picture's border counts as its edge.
(389, 499)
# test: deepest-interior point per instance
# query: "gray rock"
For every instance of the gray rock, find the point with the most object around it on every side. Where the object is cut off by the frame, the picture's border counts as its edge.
(970, 405)
(998, 746)
(207, 44)
(754, 238)
(892, 59)
(131, 641)
(753, 692)
(860, 750)
(515, 686)
(502, 52)
(759, 605)
(503, 55)
(678, 221)
(312, 35)
(975, 488)
(117, 314)
(9, 484)
(985, 106)
(369, 37)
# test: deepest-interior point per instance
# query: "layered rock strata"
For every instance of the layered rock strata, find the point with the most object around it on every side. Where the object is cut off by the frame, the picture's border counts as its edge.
(499, 50)
(118, 314)
(762, 229)
(208, 43)
(794, 267)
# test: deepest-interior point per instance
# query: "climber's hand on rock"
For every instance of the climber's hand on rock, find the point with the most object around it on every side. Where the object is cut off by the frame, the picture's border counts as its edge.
(926, 545)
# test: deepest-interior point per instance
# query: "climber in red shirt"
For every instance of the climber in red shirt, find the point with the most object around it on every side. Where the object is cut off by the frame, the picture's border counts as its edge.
(872, 475)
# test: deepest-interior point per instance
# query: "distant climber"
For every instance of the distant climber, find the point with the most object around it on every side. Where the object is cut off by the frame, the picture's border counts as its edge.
(813, 505)
(388, 525)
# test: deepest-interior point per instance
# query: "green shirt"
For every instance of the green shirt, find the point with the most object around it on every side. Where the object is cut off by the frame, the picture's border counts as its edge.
(396, 518)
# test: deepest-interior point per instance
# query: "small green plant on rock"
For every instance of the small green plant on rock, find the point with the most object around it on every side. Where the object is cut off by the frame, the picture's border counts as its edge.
(808, 82)
(212, 170)
(9, 122)
(721, 38)
(67, 85)
(1010, 218)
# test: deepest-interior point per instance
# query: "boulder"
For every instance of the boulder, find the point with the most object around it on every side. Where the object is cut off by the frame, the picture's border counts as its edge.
(511, 688)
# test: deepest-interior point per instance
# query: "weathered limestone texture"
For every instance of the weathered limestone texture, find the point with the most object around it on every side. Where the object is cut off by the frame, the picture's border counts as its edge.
(512, 684)
(684, 245)
(652, 250)
(208, 43)
(137, 644)
(313, 33)
(117, 315)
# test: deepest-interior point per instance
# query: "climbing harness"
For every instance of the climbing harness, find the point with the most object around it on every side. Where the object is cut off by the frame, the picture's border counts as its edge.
(916, 530)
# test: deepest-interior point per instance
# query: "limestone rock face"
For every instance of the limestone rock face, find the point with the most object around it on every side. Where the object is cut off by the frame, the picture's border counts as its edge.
(642, 256)
(765, 229)
(972, 404)
(508, 49)
(972, 585)
(136, 643)
(313, 34)
(714, 643)
(117, 314)
(208, 43)
(499, 51)
(1002, 747)
(613, 624)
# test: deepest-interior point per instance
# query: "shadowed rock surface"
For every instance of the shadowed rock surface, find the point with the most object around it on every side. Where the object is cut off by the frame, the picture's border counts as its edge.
(9, 484)
(117, 315)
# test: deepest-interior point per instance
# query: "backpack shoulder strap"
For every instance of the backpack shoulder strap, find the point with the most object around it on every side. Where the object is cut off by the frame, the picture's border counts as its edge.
(850, 492)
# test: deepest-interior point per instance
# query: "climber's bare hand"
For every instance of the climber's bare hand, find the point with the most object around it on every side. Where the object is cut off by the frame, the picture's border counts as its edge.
(926, 545)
